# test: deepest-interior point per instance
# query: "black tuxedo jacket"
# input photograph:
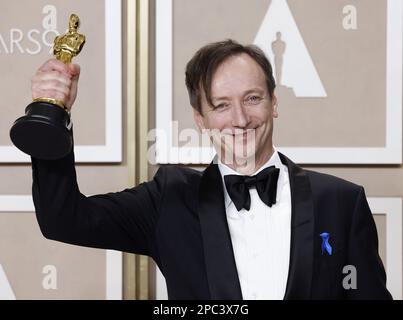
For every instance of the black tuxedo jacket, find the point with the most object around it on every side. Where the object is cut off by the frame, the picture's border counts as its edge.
(179, 220)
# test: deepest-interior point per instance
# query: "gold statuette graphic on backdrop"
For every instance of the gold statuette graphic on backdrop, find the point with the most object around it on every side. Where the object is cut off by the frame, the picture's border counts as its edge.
(45, 130)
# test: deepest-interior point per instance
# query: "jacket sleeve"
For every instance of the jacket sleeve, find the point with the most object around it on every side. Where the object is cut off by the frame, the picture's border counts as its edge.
(123, 221)
(363, 254)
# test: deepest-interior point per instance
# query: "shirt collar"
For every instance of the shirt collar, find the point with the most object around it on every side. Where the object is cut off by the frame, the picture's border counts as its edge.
(225, 170)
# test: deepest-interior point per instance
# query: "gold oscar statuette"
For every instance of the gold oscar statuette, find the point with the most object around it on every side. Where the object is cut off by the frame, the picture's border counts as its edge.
(44, 131)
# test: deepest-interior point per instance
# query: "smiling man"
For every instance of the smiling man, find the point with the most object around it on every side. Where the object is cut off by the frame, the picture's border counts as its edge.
(236, 99)
(252, 225)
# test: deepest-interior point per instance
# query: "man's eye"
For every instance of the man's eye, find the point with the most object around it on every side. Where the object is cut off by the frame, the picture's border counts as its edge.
(252, 99)
(220, 106)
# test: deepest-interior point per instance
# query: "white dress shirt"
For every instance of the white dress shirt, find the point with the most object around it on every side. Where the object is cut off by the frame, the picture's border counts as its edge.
(261, 237)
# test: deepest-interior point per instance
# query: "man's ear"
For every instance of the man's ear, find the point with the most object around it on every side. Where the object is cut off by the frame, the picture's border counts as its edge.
(199, 120)
(274, 106)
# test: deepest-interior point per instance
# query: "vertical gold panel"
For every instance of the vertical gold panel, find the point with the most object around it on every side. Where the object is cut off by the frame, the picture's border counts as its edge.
(142, 69)
(136, 267)
(129, 7)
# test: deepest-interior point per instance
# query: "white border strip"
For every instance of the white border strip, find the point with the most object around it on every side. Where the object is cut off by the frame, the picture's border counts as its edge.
(163, 52)
(112, 150)
(392, 207)
(161, 291)
(390, 154)
(114, 275)
(6, 292)
(24, 203)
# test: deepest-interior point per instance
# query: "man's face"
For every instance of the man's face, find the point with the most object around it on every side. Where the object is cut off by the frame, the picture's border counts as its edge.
(242, 111)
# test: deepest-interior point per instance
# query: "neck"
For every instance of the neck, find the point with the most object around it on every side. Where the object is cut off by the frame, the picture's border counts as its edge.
(249, 166)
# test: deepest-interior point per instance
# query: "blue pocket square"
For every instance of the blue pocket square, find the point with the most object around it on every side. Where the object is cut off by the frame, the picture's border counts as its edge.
(325, 243)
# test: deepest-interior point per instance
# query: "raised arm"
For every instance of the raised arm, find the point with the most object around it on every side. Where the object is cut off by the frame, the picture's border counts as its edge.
(122, 221)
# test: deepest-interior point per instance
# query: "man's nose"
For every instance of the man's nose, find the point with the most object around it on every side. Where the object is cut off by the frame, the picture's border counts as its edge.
(240, 117)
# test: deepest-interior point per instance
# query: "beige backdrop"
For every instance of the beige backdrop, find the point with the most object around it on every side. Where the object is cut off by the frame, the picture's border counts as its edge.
(350, 63)
(24, 253)
(81, 272)
(20, 59)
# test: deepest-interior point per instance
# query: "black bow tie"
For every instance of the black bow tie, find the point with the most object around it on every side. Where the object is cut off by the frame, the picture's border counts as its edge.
(265, 182)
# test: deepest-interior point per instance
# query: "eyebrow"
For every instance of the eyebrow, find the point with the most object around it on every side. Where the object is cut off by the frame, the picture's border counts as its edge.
(216, 99)
(257, 89)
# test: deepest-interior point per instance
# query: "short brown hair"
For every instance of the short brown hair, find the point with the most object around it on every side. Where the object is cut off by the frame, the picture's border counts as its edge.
(201, 68)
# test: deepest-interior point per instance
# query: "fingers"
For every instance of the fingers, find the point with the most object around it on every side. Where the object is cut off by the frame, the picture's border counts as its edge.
(74, 70)
(55, 65)
(56, 80)
(51, 84)
(51, 75)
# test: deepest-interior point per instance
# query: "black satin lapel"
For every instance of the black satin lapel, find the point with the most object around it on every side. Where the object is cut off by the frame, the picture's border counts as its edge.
(220, 262)
(302, 232)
